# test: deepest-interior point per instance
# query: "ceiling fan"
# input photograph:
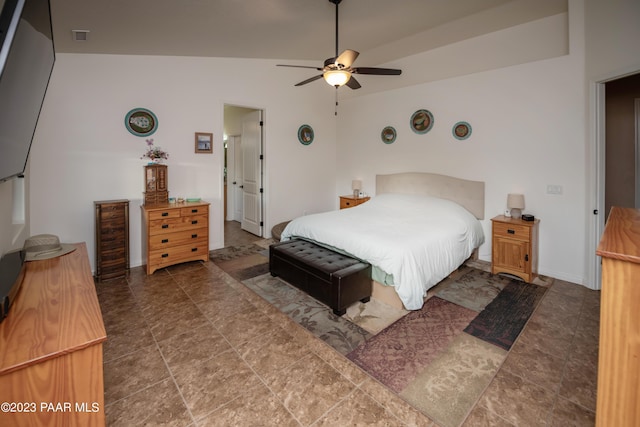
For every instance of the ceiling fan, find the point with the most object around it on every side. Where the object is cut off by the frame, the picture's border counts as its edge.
(338, 71)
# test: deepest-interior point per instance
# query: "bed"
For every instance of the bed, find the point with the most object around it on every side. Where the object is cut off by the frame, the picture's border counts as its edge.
(416, 230)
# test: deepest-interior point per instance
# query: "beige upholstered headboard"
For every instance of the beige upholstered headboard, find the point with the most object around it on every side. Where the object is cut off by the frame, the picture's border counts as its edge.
(469, 194)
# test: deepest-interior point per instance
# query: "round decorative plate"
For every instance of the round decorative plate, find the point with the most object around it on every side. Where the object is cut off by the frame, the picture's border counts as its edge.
(388, 135)
(461, 130)
(421, 121)
(305, 134)
(141, 122)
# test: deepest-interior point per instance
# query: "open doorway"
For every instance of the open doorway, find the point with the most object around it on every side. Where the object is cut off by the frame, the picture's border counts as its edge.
(617, 151)
(243, 175)
(621, 156)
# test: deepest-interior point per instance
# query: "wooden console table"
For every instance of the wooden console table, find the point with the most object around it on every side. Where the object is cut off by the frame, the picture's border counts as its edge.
(51, 347)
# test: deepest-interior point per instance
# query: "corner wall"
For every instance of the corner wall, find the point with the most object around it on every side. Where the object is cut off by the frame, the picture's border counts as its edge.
(528, 126)
(82, 151)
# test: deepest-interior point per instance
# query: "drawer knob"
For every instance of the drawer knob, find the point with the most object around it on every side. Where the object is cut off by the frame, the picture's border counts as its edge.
(511, 231)
(194, 236)
(194, 249)
(194, 210)
(165, 213)
(165, 255)
(165, 225)
(194, 221)
(165, 240)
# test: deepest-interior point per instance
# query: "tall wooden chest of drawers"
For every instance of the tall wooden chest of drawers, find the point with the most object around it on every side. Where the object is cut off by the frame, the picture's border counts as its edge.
(112, 238)
(174, 233)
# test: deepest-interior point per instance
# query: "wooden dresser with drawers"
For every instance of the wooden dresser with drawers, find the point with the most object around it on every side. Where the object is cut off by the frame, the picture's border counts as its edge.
(112, 238)
(174, 233)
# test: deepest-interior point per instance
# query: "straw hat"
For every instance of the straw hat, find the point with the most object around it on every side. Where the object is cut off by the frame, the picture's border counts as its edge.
(45, 246)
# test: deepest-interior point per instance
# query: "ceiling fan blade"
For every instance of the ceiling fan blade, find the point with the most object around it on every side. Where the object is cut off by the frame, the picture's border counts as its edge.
(353, 83)
(377, 71)
(347, 58)
(314, 78)
(299, 66)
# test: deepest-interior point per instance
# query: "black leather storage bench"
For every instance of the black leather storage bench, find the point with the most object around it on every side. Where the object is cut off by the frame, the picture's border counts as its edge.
(333, 279)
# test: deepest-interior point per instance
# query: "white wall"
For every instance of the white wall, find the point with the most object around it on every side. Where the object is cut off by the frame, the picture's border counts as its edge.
(530, 125)
(612, 37)
(83, 152)
(611, 51)
(528, 132)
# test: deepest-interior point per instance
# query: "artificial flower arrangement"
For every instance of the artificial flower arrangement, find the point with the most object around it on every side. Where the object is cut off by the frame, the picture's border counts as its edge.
(153, 153)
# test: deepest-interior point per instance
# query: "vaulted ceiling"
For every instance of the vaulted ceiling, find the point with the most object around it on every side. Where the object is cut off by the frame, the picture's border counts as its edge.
(381, 30)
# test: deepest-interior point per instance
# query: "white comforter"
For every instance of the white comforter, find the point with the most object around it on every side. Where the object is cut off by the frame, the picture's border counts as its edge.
(419, 240)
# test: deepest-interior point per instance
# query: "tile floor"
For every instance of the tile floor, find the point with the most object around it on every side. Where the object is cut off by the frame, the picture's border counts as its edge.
(191, 346)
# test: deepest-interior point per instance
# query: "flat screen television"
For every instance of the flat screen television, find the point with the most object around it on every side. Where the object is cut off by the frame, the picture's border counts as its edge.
(27, 56)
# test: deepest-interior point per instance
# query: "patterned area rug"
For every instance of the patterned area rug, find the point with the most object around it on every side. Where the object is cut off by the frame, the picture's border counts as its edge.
(439, 358)
(250, 265)
(503, 319)
(473, 289)
(314, 316)
(442, 357)
(398, 353)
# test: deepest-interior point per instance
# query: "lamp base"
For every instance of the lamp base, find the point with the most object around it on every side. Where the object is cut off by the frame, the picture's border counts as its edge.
(356, 194)
(516, 213)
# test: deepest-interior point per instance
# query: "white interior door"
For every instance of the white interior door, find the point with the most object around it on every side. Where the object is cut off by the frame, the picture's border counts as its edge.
(234, 177)
(237, 179)
(252, 173)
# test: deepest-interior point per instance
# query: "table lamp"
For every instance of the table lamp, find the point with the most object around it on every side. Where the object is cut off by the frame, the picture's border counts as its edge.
(515, 203)
(356, 186)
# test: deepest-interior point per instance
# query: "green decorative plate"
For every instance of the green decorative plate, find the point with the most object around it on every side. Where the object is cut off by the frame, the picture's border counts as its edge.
(305, 134)
(421, 121)
(141, 122)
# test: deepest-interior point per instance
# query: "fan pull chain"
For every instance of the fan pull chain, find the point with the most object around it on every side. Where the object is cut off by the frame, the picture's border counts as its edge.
(336, 110)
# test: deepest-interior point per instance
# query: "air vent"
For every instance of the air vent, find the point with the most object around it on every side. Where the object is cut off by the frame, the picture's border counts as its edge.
(80, 35)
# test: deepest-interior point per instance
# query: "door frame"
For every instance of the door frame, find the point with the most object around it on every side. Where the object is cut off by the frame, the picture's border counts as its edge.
(233, 143)
(598, 141)
(263, 171)
(252, 219)
(637, 145)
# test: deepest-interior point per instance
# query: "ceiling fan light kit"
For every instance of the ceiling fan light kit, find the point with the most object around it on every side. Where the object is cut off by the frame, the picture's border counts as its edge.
(336, 77)
(337, 71)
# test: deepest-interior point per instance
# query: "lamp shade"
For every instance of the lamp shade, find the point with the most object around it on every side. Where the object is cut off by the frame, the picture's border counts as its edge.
(356, 184)
(515, 201)
(337, 77)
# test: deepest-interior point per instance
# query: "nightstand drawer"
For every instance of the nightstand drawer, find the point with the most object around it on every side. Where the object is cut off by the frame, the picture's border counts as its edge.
(346, 203)
(512, 231)
(350, 201)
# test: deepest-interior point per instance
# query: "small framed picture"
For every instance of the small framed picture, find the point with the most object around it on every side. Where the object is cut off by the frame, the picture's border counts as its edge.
(204, 142)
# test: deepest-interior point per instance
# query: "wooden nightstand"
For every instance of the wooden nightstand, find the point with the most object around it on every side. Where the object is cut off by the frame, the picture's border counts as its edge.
(350, 201)
(514, 247)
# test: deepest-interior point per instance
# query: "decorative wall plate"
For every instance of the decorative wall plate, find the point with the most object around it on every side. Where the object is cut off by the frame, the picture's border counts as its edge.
(305, 134)
(388, 135)
(141, 122)
(461, 130)
(421, 121)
